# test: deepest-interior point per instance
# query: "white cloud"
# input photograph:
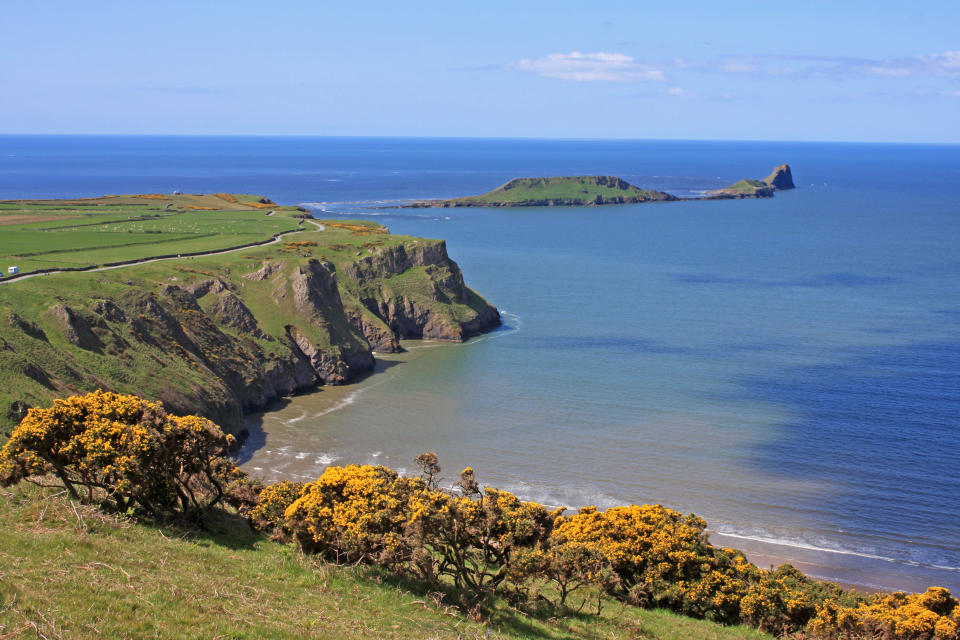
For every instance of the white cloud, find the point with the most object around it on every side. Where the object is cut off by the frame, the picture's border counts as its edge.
(733, 66)
(936, 64)
(590, 67)
(946, 64)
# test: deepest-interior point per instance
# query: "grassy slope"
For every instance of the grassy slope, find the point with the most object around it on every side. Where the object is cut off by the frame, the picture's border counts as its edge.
(41, 234)
(132, 367)
(577, 188)
(80, 574)
(747, 186)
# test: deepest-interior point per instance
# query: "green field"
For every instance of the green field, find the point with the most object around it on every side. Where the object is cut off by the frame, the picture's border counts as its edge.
(69, 571)
(58, 234)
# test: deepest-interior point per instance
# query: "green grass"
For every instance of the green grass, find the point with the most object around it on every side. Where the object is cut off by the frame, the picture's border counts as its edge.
(44, 234)
(130, 364)
(68, 571)
(747, 186)
(560, 190)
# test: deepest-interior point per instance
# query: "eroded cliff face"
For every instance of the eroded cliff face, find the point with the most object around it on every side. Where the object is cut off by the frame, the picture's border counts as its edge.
(219, 344)
(419, 292)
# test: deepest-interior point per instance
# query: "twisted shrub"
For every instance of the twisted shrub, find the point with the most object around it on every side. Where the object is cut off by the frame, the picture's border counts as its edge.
(123, 449)
(473, 542)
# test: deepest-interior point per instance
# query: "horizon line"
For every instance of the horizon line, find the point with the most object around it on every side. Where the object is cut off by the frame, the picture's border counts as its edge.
(443, 137)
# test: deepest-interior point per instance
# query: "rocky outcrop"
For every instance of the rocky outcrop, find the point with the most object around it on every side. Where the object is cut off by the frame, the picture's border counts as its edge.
(378, 335)
(741, 190)
(265, 272)
(780, 178)
(200, 289)
(230, 311)
(418, 292)
(394, 260)
(28, 327)
(222, 345)
(76, 328)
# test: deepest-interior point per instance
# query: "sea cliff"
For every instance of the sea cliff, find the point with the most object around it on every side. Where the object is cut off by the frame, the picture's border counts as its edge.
(222, 335)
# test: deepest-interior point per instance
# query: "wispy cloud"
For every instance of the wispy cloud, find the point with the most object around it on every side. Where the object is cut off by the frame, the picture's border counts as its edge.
(945, 64)
(185, 89)
(591, 67)
(618, 67)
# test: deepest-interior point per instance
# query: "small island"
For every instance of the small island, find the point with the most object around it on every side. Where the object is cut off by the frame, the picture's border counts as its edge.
(570, 191)
(779, 179)
(579, 191)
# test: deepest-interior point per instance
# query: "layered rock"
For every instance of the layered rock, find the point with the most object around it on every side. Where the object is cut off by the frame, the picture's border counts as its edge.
(780, 178)
(220, 346)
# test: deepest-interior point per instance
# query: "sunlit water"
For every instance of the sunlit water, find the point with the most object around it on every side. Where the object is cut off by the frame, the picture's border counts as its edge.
(786, 368)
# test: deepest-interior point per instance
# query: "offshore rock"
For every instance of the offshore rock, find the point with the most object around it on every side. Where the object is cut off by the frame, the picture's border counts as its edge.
(780, 178)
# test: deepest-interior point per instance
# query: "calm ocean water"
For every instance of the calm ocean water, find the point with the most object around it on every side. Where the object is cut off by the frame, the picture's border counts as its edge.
(787, 368)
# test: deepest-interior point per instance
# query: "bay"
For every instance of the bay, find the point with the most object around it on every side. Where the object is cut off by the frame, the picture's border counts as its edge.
(786, 368)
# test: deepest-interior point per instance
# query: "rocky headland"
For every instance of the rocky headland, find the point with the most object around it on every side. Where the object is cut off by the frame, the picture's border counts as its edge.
(227, 334)
(569, 191)
(779, 179)
(578, 191)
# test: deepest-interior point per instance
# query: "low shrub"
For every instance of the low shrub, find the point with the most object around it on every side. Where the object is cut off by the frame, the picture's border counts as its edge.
(932, 615)
(124, 450)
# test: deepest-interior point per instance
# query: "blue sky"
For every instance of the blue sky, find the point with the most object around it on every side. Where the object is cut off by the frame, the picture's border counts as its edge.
(863, 71)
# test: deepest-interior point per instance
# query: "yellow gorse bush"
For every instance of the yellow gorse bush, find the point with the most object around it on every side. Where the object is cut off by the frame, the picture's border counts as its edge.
(481, 542)
(934, 614)
(124, 449)
(273, 502)
(129, 453)
(355, 512)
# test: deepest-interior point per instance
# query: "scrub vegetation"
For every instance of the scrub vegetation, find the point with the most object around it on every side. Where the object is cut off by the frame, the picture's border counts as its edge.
(375, 552)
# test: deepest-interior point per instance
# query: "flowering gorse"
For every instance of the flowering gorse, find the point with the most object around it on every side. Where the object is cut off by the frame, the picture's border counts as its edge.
(125, 450)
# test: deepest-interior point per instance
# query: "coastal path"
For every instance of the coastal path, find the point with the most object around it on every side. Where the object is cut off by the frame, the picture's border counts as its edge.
(132, 263)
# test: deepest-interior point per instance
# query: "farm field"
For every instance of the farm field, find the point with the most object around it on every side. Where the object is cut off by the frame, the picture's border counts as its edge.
(76, 234)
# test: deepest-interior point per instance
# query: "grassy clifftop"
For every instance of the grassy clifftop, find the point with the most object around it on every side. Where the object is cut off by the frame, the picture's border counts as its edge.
(75, 234)
(217, 335)
(559, 191)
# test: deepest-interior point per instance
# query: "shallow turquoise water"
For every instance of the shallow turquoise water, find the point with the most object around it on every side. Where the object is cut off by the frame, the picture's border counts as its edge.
(787, 368)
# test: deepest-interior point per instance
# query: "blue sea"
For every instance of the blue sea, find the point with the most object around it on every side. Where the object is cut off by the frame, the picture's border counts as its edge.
(787, 368)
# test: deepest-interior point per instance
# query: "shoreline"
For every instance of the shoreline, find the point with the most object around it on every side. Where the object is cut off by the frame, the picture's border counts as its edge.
(858, 571)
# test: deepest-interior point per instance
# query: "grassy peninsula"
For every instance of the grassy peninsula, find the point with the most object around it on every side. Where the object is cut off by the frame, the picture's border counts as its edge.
(298, 303)
(780, 179)
(578, 191)
(559, 191)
